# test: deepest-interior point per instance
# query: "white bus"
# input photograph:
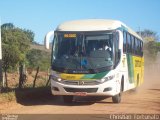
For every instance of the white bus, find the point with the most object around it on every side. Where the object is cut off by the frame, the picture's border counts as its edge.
(95, 57)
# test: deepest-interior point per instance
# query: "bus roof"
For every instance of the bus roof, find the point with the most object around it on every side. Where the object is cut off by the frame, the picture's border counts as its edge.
(94, 25)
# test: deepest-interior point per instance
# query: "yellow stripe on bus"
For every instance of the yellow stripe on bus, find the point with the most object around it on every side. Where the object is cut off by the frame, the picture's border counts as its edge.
(71, 76)
(138, 67)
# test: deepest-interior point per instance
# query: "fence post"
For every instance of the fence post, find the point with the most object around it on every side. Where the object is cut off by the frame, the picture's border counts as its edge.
(34, 82)
(48, 81)
(20, 76)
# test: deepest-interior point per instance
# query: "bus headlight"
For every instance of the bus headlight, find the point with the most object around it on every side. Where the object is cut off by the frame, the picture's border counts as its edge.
(55, 78)
(59, 79)
(107, 78)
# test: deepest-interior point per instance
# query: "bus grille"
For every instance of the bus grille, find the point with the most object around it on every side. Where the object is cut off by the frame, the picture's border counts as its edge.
(88, 90)
(80, 82)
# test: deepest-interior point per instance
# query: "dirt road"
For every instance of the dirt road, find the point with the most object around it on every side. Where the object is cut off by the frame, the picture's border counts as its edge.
(145, 100)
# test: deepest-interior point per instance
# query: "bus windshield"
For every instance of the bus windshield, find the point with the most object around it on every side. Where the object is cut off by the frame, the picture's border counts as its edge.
(87, 52)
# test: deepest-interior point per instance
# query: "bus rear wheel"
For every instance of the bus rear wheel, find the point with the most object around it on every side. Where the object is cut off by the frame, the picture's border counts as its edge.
(67, 99)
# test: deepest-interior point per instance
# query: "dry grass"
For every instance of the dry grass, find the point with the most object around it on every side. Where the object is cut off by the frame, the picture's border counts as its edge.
(7, 97)
(42, 78)
(12, 92)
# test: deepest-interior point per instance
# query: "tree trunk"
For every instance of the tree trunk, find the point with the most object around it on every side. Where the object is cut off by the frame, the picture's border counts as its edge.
(1, 76)
(34, 82)
(22, 76)
(48, 77)
(6, 79)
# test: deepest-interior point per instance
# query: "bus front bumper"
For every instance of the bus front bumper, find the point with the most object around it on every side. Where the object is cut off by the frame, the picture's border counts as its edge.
(109, 88)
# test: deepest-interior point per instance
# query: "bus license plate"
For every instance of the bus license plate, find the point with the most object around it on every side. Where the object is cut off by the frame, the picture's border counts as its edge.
(81, 93)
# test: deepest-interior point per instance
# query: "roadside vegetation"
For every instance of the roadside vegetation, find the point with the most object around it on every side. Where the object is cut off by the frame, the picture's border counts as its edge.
(151, 45)
(22, 58)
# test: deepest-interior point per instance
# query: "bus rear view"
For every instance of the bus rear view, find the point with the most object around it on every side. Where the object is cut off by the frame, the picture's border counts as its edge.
(87, 60)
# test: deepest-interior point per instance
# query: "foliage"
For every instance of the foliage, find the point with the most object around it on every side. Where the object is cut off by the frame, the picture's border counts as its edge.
(153, 48)
(29, 34)
(7, 26)
(148, 35)
(151, 44)
(15, 44)
(39, 58)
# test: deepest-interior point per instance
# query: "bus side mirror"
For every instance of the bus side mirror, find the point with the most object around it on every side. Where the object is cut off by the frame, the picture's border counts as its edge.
(119, 54)
(48, 36)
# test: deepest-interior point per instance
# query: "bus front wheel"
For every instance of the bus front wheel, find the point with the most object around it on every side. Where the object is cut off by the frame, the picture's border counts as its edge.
(117, 98)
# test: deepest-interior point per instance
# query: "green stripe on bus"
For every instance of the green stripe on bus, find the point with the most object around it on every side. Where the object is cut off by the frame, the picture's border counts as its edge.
(88, 76)
(130, 68)
(122, 28)
(95, 76)
(100, 75)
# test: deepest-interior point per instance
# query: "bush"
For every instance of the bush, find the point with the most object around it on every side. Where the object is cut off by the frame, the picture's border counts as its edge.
(39, 58)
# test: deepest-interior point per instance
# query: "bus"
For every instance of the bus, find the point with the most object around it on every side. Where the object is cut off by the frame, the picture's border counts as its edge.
(95, 57)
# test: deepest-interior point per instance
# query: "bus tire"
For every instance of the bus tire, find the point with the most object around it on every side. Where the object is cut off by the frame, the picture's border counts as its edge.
(67, 99)
(117, 98)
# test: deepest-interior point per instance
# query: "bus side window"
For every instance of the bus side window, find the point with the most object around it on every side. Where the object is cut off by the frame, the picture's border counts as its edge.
(132, 44)
(128, 43)
(117, 54)
(141, 48)
(124, 41)
(136, 48)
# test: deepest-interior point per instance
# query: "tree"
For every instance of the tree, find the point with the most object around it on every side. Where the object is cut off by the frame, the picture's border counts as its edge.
(15, 44)
(39, 58)
(29, 34)
(151, 44)
(148, 35)
(7, 26)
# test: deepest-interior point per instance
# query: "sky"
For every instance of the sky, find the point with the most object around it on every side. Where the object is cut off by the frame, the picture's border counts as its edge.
(42, 16)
